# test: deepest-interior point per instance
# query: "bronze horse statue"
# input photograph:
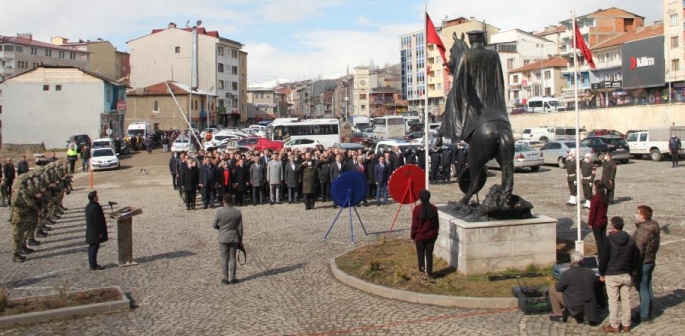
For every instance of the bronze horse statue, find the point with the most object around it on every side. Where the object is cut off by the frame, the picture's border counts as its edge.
(476, 113)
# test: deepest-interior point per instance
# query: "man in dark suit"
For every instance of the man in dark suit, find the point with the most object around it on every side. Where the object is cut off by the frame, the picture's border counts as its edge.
(240, 180)
(382, 173)
(324, 176)
(191, 179)
(338, 167)
(292, 178)
(229, 221)
(96, 229)
(574, 293)
(181, 168)
(9, 174)
(257, 179)
(173, 169)
(22, 166)
(208, 180)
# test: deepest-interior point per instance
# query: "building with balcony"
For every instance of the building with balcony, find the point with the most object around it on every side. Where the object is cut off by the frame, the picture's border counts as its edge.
(165, 54)
(156, 105)
(385, 101)
(540, 78)
(412, 72)
(674, 48)
(262, 102)
(58, 102)
(596, 27)
(607, 79)
(103, 55)
(342, 97)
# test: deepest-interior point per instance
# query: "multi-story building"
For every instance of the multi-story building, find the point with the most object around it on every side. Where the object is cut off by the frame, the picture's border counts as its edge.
(166, 54)
(540, 78)
(103, 57)
(156, 105)
(518, 49)
(261, 101)
(616, 81)
(674, 48)
(342, 97)
(413, 62)
(596, 27)
(360, 93)
(123, 65)
(238, 109)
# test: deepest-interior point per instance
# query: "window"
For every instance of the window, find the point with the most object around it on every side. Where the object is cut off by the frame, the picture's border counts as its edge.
(234, 86)
(9, 47)
(60, 54)
(221, 103)
(34, 51)
(362, 96)
(108, 93)
(48, 52)
(220, 67)
(235, 103)
(363, 107)
(515, 79)
(18, 49)
(548, 74)
(643, 136)
(58, 87)
(177, 49)
(675, 64)
(221, 51)
(234, 54)
(526, 62)
(221, 85)
(72, 55)
(46, 87)
(674, 19)
(674, 42)
(155, 106)
(548, 91)
(510, 64)
(234, 70)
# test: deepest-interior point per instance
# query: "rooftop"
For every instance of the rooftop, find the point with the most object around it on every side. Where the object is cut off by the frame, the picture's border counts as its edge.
(160, 89)
(554, 62)
(94, 74)
(640, 33)
(33, 43)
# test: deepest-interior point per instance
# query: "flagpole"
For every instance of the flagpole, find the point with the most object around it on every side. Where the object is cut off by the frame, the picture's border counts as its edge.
(580, 247)
(426, 129)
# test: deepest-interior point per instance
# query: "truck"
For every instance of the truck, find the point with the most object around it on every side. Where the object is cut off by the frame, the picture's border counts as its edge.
(654, 141)
(140, 128)
(361, 122)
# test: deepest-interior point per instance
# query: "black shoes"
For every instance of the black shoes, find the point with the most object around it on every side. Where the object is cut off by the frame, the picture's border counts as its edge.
(41, 234)
(18, 258)
(33, 242)
(25, 250)
(225, 282)
(97, 268)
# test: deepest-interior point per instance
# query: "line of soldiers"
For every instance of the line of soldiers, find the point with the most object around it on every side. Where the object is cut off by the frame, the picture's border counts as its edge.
(36, 202)
(588, 171)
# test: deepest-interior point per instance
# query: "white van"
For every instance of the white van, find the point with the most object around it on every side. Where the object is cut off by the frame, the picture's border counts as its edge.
(549, 133)
(544, 104)
(140, 128)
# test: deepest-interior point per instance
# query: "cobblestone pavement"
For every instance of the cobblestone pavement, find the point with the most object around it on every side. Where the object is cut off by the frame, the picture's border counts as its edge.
(286, 286)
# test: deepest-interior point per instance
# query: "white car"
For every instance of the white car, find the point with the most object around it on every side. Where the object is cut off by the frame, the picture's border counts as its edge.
(104, 158)
(180, 145)
(212, 129)
(220, 139)
(302, 143)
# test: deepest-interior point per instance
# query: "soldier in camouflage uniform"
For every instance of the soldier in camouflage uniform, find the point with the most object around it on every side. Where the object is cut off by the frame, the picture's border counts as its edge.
(43, 219)
(33, 190)
(23, 214)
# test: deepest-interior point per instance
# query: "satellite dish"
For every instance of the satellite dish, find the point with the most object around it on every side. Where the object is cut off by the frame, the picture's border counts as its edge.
(353, 181)
(109, 131)
(465, 180)
(406, 183)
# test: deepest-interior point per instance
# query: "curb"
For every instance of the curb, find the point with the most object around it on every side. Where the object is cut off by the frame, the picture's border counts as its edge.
(60, 313)
(413, 297)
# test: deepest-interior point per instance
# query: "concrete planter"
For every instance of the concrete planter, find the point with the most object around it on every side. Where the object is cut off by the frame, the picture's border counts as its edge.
(95, 308)
(413, 297)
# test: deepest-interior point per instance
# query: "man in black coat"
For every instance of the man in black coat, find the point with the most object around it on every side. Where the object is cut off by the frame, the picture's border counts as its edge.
(9, 173)
(338, 167)
(191, 179)
(173, 169)
(446, 163)
(324, 177)
(96, 229)
(22, 166)
(208, 180)
(574, 293)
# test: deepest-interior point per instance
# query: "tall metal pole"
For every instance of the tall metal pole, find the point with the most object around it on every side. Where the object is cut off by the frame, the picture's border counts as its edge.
(207, 93)
(426, 129)
(580, 247)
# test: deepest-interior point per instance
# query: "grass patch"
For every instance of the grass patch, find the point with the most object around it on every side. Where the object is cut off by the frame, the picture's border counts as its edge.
(61, 300)
(566, 246)
(393, 263)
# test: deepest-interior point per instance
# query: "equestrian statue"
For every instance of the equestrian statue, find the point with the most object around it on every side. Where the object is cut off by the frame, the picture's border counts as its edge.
(476, 113)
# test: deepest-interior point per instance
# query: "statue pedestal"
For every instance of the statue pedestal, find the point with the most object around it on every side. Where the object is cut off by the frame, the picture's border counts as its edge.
(494, 246)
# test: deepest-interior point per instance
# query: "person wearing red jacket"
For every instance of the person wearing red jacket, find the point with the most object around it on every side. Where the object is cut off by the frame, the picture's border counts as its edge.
(424, 231)
(597, 220)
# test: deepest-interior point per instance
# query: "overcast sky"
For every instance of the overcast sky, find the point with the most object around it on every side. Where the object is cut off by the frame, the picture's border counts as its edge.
(293, 39)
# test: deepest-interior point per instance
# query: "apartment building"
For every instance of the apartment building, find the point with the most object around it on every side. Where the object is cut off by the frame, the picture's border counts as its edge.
(342, 97)
(261, 101)
(540, 78)
(103, 55)
(123, 65)
(674, 48)
(166, 54)
(596, 27)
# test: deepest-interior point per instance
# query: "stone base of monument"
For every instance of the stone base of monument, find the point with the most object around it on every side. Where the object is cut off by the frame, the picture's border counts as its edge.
(494, 246)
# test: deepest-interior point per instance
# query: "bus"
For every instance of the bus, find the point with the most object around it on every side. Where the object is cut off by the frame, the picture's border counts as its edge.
(326, 131)
(409, 121)
(361, 122)
(388, 127)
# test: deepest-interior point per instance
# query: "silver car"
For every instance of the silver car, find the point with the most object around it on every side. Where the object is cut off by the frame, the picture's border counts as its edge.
(524, 156)
(555, 152)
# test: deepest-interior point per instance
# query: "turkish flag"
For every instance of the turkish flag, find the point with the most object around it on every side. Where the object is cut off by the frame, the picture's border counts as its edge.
(432, 37)
(580, 45)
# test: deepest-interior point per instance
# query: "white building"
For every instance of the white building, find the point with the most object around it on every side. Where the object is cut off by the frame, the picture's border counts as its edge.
(360, 100)
(51, 103)
(165, 54)
(674, 46)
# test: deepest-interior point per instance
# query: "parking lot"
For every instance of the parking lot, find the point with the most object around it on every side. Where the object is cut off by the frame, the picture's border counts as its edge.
(286, 286)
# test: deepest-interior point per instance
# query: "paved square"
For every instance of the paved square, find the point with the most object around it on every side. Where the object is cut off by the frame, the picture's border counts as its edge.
(286, 286)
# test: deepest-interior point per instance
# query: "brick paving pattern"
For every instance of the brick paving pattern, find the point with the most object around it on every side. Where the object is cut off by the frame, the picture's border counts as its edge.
(286, 287)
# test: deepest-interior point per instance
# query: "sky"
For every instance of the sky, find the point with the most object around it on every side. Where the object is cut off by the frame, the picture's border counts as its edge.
(294, 39)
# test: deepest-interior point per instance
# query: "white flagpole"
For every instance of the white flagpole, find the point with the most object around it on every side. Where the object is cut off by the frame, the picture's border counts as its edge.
(426, 129)
(579, 241)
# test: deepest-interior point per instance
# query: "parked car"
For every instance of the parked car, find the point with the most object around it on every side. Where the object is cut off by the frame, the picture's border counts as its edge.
(104, 158)
(550, 133)
(180, 145)
(599, 132)
(414, 135)
(654, 142)
(349, 146)
(617, 146)
(302, 144)
(524, 157)
(532, 143)
(555, 152)
(102, 143)
(79, 140)
(260, 144)
(361, 138)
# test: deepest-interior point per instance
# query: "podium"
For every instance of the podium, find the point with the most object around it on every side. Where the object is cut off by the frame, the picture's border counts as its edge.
(124, 219)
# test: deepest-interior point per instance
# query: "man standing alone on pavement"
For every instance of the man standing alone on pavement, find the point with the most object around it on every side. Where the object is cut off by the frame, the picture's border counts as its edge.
(9, 174)
(617, 262)
(96, 229)
(85, 158)
(229, 221)
(674, 146)
(22, 166)
(647, 240)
